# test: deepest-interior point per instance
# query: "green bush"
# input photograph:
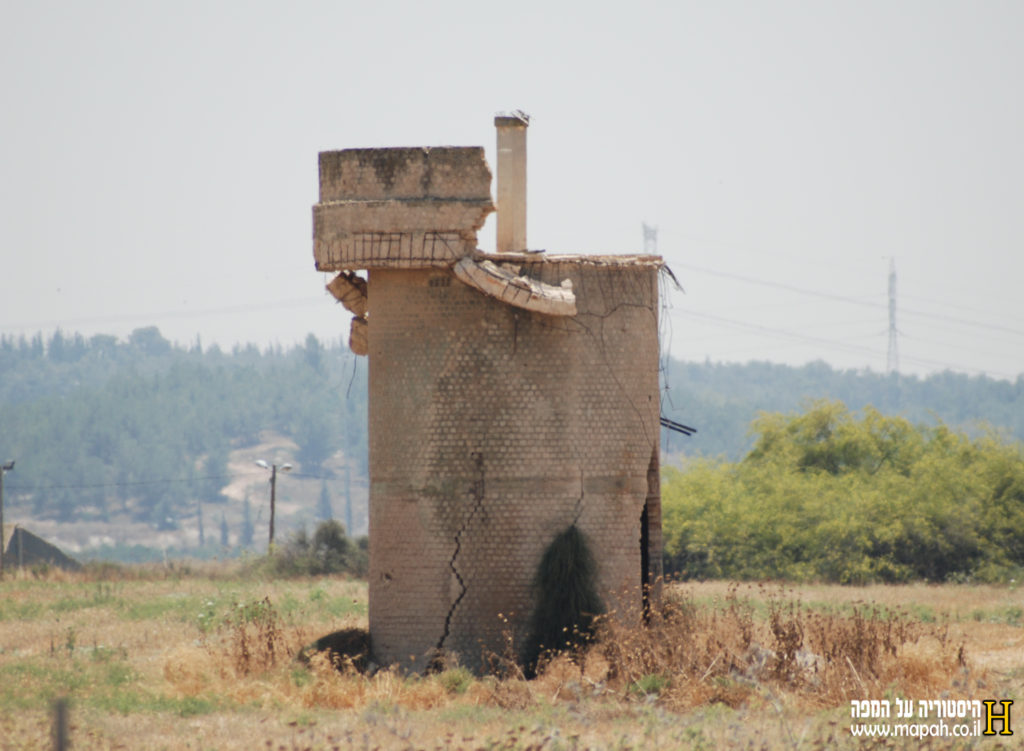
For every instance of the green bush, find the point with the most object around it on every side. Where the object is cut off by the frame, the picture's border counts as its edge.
(833, 496)
(455, 680)
(328, 551)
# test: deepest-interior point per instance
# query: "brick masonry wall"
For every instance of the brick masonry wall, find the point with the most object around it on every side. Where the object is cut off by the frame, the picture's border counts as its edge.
(492, 429)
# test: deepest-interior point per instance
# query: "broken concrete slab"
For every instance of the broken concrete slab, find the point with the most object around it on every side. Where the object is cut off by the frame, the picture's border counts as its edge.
(399, 208)
(510, 287)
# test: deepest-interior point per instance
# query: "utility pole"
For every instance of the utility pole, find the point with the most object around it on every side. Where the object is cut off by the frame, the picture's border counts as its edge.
(286, 467)
(893, 356)
(273, 503)
(3, 543)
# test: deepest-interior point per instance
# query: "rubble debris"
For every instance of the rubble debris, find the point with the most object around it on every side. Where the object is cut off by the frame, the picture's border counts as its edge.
(350, 290)
(359, 336)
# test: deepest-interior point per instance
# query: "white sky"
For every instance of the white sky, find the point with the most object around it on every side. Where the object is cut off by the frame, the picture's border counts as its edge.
(158, 161)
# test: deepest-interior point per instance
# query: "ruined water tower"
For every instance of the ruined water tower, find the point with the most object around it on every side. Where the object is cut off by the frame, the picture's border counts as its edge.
(511, 395)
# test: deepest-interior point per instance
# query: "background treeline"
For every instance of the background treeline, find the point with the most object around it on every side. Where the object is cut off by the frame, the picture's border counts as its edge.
(834, 496)
(101, 427)
(720, 400)
(105, 429)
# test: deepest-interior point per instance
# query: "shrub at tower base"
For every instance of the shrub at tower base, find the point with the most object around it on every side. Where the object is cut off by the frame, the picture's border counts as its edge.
(567, 601)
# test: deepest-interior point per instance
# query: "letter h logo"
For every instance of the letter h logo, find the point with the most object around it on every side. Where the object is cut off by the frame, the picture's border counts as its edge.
(990, 716)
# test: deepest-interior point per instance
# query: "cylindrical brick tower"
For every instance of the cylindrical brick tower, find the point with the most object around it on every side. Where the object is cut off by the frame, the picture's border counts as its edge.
(499, 412)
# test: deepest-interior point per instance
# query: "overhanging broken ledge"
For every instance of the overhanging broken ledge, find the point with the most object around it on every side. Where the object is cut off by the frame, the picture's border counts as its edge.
(504, 284)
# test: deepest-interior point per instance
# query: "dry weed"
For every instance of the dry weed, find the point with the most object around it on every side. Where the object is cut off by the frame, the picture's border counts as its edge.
(687, 656)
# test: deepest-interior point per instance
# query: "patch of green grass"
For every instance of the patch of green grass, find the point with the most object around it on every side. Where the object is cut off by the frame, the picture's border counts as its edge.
(457, 714)
(923, 613)
(324, 604)
(301, 676)
(189, 706)
(135, 702)
(291, 608)
(874, 611)
(172, 605)
(105, 681)
(302, 720)
(340, 607)
(651, 684)
(455, 680)
(20, 610)
(103, 594)
(227, 606)
(694, 738)
(102, 653)
(33, 684)
(1011, 615)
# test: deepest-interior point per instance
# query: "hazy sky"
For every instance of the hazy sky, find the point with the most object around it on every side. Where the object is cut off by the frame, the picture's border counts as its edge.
(158, 161)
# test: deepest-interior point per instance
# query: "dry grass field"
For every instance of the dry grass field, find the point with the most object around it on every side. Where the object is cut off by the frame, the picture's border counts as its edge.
(172, 658)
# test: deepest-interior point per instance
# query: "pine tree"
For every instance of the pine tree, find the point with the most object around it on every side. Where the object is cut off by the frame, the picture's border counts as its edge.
(199, 514)
(247, 529)
(324, 512)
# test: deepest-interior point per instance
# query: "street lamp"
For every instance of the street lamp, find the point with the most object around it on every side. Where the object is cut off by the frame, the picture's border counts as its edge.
(4, 469)
(286, 467)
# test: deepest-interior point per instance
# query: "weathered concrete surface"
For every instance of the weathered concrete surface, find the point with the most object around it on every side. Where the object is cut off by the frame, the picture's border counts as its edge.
(399, 208)
(511, 230)
(443, 172)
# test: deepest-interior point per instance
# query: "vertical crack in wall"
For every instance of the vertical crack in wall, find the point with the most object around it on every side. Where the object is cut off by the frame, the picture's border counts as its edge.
(578, 512)
(477, 492)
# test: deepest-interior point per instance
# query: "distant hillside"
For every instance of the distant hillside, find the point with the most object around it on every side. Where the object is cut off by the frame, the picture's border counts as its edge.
(145, 435)
(140, 434)
(720, 400)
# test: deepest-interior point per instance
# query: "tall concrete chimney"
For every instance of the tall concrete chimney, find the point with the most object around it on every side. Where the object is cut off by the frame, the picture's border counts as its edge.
(511, 181)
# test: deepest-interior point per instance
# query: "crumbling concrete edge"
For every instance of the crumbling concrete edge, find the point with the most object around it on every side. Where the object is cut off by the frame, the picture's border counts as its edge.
(509, 287)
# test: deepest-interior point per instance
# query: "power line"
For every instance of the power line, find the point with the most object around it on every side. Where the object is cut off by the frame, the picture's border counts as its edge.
(850, 300)
(780, 285)
(127, 317)
(964, 322)
(164, 481)
(132, 483)
(779, 333)
(833, 344)
(947, 304)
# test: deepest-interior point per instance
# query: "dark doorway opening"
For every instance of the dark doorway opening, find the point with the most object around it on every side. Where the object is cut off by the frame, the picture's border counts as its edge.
(645, 562)
(650, 537)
